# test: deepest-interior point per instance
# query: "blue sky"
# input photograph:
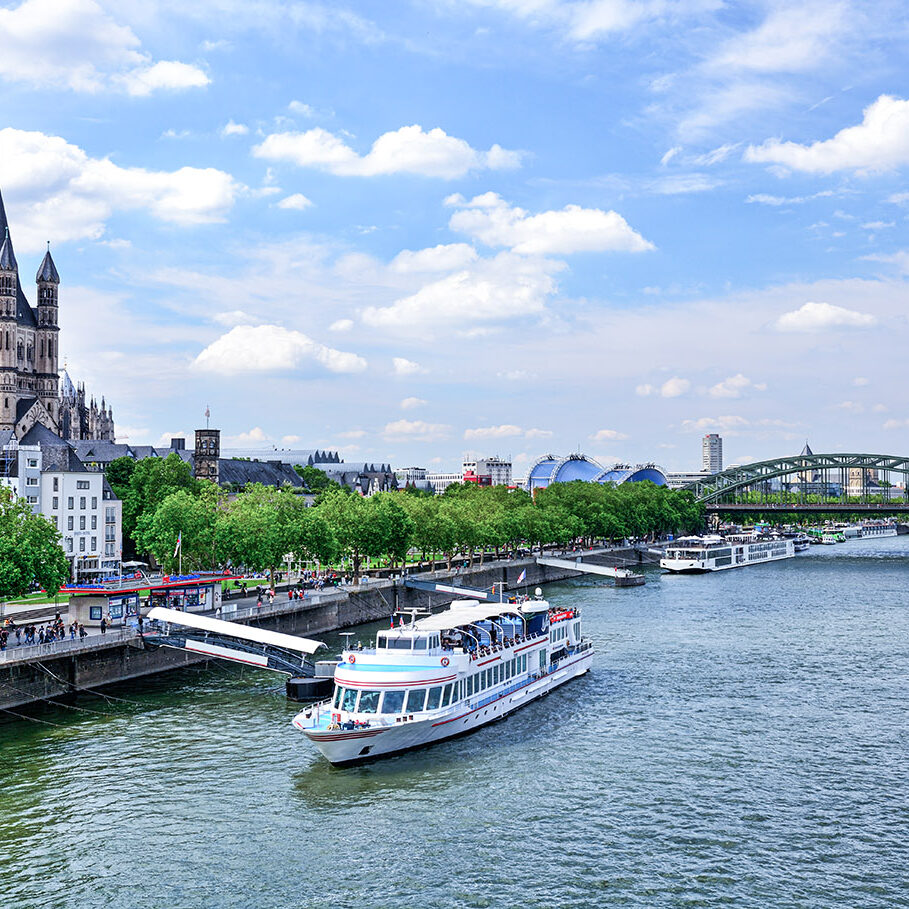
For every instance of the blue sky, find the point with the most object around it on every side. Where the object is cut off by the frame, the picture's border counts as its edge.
(417, 229)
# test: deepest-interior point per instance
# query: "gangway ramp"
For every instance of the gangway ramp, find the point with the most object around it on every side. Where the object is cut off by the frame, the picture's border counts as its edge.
(622, 576)
(232, 641)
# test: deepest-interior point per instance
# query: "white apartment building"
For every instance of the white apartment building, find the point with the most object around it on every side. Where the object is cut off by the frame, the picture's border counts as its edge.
(20, 471)
(712, 453)
(492, 471)
(441, 481)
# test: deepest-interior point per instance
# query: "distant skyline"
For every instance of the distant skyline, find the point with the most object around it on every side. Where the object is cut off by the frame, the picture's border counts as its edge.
(412, 231)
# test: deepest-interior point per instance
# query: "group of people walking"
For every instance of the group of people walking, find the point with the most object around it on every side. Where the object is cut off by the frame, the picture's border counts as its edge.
(28, 634)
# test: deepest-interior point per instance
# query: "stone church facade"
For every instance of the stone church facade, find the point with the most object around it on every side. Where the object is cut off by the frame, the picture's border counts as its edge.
(30, 391)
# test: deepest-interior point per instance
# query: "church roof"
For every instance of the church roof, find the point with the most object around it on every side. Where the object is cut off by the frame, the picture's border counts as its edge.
(56, 453)
(269, 473)
(23, 406)
(7, 256)
(24, 314)
(67, 389)
(806, 451)
(48, 271)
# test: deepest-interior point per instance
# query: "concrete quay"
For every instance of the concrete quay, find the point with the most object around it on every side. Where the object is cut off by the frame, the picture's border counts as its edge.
(54, 671)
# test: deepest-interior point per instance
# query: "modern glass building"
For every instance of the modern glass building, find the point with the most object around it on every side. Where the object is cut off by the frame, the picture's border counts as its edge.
(551, 469)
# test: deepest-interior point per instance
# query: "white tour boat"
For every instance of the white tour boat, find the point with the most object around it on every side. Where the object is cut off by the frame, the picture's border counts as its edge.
(443, 675)
(878, 529)
(694, 555)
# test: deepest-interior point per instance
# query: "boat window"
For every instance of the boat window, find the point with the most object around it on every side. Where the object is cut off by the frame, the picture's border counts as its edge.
(398, 643)
(393, 702)
(350, 698)
(337, 701)
(435, 695)
(420, 643)
(415, 699)
(369, 701)
(446, 696)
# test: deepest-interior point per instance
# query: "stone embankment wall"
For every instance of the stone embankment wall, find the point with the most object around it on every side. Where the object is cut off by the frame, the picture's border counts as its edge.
(118, 656)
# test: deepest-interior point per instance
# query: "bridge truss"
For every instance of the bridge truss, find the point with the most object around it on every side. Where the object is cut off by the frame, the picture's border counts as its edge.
(871, 482)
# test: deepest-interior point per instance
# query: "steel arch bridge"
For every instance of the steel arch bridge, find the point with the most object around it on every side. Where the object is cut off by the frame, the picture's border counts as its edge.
(810, 482)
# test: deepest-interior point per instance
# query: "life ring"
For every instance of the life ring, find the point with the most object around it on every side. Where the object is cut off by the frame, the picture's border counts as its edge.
(351, 659)
(445, 661)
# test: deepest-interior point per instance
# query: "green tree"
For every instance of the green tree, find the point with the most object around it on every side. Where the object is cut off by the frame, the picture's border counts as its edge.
(315, 480)
(30, 549)
(119, 472)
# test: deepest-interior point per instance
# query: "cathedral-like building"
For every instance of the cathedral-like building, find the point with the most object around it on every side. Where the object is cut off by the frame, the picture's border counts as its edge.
(30, 390)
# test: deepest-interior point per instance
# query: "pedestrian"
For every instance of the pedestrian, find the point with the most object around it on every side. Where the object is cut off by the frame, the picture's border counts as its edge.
(259, 603)
(103, 626)
(82, 632)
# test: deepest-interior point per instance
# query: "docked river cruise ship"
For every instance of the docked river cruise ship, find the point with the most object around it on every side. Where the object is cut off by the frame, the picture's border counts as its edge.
(444, 675)
(694, 555)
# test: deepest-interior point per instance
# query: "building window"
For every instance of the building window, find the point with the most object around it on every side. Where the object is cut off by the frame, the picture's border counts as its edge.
(31, 481)
(56, 484)
(109, 516)
(81, 544)
(82, 522)
(69, 503)
(94, 522)
(56, 504)
(94, 544)
(69, 523)
(32, 462)
(94, 503)
(82, 484)
(69, 544)
(32, 500)
(54, 519)
(82, 503)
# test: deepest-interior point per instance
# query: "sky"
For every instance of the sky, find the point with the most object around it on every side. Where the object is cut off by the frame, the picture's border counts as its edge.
(415, 230)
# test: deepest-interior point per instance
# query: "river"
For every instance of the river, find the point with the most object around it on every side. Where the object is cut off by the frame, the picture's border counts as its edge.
(742, 740)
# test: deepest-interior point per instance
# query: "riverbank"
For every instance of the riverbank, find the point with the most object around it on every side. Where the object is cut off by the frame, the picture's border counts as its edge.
(63, 669)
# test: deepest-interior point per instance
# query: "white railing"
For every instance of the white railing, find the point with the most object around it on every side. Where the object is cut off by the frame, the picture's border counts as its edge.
(20, 653)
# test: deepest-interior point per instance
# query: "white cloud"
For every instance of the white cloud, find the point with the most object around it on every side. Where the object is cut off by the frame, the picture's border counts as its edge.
(234, 129)
(166, 75)
(256, 434)
(491, 290)
(645, 390)
(505, 431)
(723, 424)
(404, 367)
(608, 435)
(791, 39)
(298, 107)
(880, 408)
(767, 199)
(341, 325)
(490, 219)
(851, 406)
(538, 434)
(899, 259)
(232, 318)
(290, 440)
(444, 257)
(271, 348)
(669, 155)
(734, 387)
(680, 184)
(407, 150)
(879, 143)
(58, 191)
(877, 225)
(75, 44)
(674, 387)
(411, 403)
(352, 434)
(898, 198)
(896, 424)
(415, 431)
(823, 316)
(296, 202)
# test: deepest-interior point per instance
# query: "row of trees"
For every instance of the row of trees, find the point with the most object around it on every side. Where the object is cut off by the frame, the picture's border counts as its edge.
(259, 526)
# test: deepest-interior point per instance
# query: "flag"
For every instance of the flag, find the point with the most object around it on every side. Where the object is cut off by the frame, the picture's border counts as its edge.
(179, 543)
(392, 620)
(522, 577)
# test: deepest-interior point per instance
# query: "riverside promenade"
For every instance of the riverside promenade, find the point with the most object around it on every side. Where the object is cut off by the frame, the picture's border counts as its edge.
(64, 668)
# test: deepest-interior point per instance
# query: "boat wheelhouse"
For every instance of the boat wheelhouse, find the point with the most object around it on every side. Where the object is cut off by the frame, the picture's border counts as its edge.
(696, 555)
(444, 675)
(878, 529)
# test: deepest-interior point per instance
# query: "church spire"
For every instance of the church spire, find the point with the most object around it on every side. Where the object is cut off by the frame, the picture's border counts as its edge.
(7, 256)
(47, 273)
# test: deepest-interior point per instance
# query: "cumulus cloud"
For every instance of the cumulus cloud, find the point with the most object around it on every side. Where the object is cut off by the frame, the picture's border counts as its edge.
(491, 220)
(851, 406)
(303, 110)
(232, 318)
(896, 424)
(734, 387)
(505, 431)
(444, 257)
(608, 435)
(408, 150)
(254, 435)
(57, 190)
(491, 290)
(415, 431)
(341, 325)
(411, 403)
(707, 424)
(290, 440)
(75, 44)
(538, 434)
(879, 143)
(234, 129)
(296, 202)
(822, 317)
(404, 367)
(271, 348)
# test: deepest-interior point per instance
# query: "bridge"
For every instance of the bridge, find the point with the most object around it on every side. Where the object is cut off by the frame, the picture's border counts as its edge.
(810, 483)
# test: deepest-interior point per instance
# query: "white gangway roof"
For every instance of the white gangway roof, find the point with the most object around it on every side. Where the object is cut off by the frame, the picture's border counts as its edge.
(234, 630)
(466, 612)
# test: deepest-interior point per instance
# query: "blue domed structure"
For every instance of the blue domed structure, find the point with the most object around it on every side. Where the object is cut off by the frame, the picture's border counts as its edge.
(550, 469)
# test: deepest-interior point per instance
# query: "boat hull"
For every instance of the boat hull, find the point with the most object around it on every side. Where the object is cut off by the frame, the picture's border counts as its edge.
(345, 747)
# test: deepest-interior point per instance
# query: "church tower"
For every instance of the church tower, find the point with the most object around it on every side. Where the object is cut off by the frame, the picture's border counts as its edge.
(47, 336)
(9, 291)
(208, 450)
